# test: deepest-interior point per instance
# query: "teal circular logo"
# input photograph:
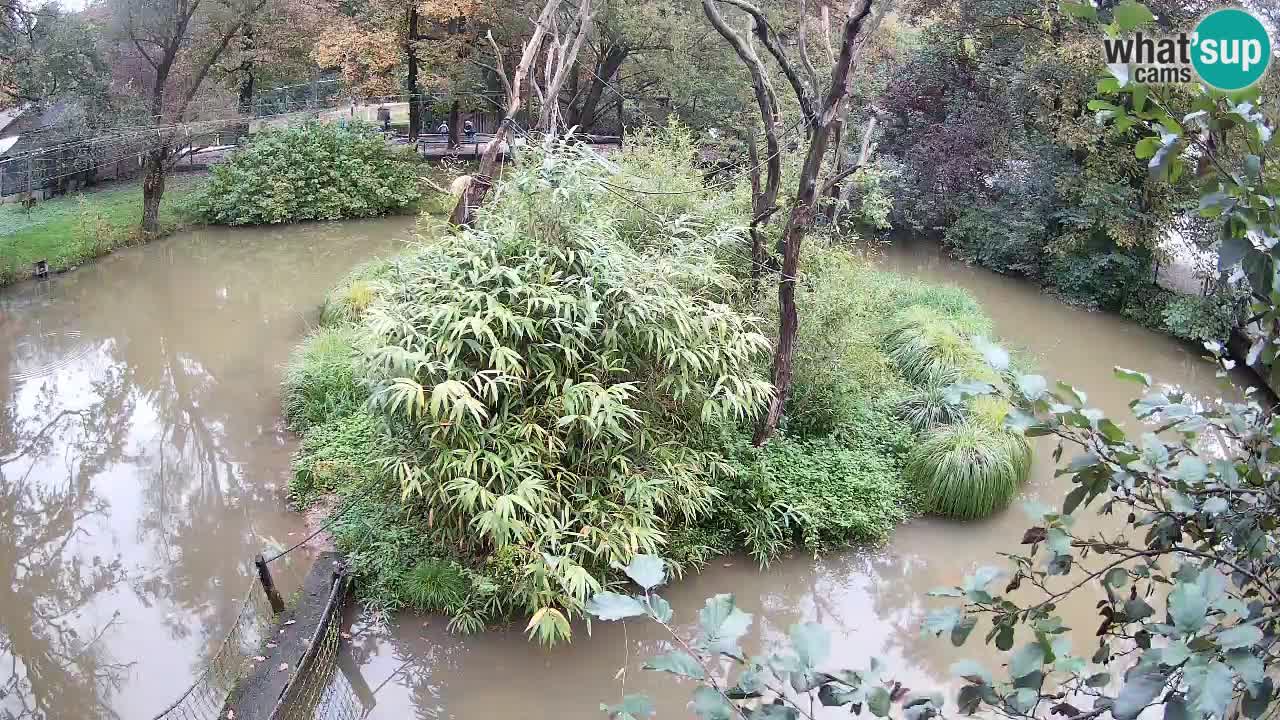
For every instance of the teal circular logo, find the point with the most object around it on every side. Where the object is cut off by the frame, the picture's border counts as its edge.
(1230, 49)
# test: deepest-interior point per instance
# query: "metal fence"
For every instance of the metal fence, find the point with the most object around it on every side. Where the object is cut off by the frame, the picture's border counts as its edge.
(321, 689)
(207, 696)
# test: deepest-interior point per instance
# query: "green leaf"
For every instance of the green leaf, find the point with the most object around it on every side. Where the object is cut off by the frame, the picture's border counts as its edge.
(1232, 250)
(1247, 665)
(632, 707)
(1004, 637)
(971, 671)
(1187, 606)
(1209, 687)
(613, 606)
(1216, 505)
(1192, 469)
(647, 571)
(1130, 14)
(878, 702)
(1028, 659)
(677, 662)
(1133, 376)
(1116, 577)
(1137, 609)
(1176, 653)
(1032, 387)
(1239, 636)
(722, 624)
(1146, 147)
(773, 712)
(711, 705)
(811, 642)
(1140, 688)
(1083, 10)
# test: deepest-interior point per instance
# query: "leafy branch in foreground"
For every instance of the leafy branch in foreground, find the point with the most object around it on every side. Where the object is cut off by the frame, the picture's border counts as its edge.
(777, 686)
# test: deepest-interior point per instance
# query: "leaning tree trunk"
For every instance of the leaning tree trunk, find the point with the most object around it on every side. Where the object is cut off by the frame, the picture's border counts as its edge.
(801, 218)
(474, 194)
(584, 115)
(153, 190)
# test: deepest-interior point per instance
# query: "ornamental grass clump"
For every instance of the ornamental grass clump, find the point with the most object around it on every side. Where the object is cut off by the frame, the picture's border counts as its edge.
(928, 345)
(969, 470)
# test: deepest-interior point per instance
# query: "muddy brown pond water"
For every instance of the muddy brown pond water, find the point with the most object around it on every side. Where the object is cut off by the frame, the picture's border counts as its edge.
(143, 463)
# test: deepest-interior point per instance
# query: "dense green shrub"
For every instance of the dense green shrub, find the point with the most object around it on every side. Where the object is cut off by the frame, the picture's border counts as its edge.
(817, 493)
(1101, 280)
(1007, 237)
(838, 360)
(971, 469)
(547, 391)
(320, 378)
(1201, 317)
(870, 194)
(317, 171)
(334, 456)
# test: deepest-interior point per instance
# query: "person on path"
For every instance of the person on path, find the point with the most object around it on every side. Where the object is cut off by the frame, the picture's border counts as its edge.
(384, 117)
(469, 130)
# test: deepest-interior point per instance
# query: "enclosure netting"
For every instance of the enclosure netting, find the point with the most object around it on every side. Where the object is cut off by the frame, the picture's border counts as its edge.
(320, 691)
(233, 659)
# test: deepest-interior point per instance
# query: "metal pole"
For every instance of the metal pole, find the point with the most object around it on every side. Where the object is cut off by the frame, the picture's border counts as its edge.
(268, 584)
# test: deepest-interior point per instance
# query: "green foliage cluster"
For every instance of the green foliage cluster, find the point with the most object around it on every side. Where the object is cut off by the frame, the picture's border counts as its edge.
(549, 397)
(729, 683)
(818, 493)
(511, 412)
(316, 171)
(1001, 156)
(1198, 318)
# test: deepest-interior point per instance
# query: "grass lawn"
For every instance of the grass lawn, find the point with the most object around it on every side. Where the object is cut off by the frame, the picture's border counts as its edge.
(72, 229)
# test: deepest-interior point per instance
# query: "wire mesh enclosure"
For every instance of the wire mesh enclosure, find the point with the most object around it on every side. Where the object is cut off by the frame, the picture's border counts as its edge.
(207, 696)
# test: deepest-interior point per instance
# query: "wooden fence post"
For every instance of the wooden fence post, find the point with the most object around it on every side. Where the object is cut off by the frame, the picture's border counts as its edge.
(268, 584)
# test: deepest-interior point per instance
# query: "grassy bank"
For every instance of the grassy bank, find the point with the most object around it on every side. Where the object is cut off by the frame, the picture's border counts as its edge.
(70, 230)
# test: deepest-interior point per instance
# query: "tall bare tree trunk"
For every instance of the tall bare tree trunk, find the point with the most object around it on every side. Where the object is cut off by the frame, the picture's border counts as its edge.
(763, 199)
(802, 214)
(411, 55)
(473, 196)
(455, 126)
(153, 190)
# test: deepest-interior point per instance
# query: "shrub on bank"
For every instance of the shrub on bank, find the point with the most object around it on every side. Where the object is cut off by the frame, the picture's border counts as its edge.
(969, 470)
(317, 171)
